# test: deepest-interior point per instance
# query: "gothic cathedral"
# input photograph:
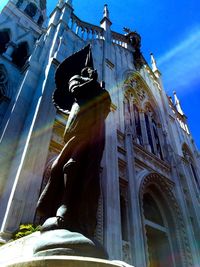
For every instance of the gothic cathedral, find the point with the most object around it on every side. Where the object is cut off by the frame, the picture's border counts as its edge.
(149, 209)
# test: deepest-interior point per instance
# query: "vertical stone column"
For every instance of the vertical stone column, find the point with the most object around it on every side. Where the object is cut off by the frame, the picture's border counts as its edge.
(27, 168)
(36, 157)
(131, 99)
(110, 182)
(183, 206)
(136, 227)
(192, 194)
(12, 158)
(20, 174)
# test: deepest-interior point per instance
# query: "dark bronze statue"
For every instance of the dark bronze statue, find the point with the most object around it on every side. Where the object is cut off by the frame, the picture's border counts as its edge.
(70, 198)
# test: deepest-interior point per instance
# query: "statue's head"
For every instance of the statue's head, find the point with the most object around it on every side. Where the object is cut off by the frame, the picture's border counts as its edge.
(74, 82)
(75, 71)
(89, 73)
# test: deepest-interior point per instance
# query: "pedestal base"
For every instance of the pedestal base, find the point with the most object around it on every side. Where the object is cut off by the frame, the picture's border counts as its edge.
(65, 261)
(19, 253)
(64, 242)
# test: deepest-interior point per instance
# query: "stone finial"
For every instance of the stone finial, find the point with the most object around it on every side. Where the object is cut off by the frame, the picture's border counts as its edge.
(69, 2)
(154, 67)
(62, 2)
(153, 63)
(177, 104)
(106, 13)
(105, 22)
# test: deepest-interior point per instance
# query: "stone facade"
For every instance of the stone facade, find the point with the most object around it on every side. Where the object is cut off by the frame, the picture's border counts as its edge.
(150, 179)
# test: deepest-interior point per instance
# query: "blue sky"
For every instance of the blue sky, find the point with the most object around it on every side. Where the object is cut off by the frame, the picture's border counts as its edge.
(171, 30)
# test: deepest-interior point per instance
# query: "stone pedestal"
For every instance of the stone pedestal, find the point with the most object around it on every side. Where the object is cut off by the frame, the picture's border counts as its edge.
(65, 261)
(19, 253)
(66, 243)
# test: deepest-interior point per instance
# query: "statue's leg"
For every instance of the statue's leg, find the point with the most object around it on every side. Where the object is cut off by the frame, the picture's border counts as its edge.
(61, 217)
(91, 187)
(70, 166)
(69, 174)
(70, 161)
(55, 191)
(89, 201)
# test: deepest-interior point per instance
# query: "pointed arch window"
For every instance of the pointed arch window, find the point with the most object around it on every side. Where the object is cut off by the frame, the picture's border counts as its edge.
(19, 3)
(132, 118)
(149, 134)
(4, 40)
(188, 156)
(152, 130)
(142, 116)
(127, 113)
(124, 219)
(20, 54)
(40, 20)
(124, 215)
(31, 10)
(195, 175)
(137, 125)
(157, 139)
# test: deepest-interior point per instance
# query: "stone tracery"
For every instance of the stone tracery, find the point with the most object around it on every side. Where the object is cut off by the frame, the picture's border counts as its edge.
(139, 102)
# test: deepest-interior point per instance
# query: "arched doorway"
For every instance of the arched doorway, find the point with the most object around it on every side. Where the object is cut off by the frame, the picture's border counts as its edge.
(164, 230)
(157, 232)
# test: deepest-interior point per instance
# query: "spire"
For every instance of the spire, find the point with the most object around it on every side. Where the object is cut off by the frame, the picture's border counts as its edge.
(106, 13)
(62, 2)
(177, 104)
(69, 2)
(154, 66)
(105, 22)
(153, 63)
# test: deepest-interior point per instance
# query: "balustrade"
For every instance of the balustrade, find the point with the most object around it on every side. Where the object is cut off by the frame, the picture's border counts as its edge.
(84, 30)
(119, 39)
(87, 31)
